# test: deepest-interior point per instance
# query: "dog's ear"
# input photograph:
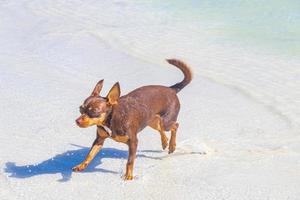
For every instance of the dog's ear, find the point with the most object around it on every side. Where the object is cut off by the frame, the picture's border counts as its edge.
(97, 88)
(114, 94)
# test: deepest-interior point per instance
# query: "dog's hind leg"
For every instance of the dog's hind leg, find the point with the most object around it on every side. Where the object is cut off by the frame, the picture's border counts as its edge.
(172, 144)
(170, 124)
(157, 124)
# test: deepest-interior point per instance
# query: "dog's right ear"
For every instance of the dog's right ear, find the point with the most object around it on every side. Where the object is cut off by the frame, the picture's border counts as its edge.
(97, 88)
(114, 94)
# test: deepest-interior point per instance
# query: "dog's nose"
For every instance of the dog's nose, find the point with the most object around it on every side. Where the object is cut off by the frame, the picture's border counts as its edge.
(77, 121)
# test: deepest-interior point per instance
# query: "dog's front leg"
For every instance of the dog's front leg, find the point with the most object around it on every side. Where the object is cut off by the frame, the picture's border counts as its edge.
(131, 157)
(97, 145)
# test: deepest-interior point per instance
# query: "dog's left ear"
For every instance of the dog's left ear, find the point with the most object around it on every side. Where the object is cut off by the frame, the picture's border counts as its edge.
(97, 88)
(114, 94)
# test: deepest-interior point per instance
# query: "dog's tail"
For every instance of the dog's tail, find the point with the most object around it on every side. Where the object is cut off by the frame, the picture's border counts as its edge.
(186, 72)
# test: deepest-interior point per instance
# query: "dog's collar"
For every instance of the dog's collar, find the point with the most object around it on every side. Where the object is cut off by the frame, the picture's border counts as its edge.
(106, 129)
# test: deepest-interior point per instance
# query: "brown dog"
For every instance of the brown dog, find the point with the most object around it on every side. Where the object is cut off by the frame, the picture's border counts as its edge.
(121, 118)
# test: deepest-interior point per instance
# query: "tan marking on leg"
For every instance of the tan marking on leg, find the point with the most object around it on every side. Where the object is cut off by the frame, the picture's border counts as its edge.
(93, 152)
(131, 157)
(156, 124)
(172, 145)
(129, 172)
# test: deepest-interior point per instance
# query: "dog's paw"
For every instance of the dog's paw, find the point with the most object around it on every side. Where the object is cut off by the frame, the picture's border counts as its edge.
(164, 144)
(172, 148)
(79, 167)
(128, 177)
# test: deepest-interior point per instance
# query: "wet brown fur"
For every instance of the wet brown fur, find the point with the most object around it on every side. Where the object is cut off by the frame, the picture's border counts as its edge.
(153, 105)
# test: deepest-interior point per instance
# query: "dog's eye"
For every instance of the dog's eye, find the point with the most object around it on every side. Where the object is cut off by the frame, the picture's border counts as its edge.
(81, 109)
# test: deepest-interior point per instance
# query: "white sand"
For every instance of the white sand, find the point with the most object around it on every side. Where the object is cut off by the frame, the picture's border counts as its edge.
(239, 122)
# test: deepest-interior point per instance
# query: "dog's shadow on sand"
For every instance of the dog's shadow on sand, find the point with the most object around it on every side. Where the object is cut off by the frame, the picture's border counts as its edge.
(63, 163)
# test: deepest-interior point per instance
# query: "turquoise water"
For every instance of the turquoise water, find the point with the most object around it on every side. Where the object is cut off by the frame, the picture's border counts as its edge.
(270, 25)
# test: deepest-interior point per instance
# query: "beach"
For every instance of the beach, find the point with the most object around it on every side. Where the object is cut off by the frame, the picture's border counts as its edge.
(238, 136)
